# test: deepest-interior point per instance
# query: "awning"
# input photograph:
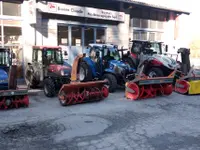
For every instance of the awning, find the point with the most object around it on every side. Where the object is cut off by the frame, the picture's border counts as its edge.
(155, 5)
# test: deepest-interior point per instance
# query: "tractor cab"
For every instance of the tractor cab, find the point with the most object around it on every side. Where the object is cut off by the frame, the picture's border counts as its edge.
(103, 53)
(147, 47)
(6, 57)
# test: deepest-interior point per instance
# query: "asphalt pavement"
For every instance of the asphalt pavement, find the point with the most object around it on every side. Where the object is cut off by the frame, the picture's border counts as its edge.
(162, 123)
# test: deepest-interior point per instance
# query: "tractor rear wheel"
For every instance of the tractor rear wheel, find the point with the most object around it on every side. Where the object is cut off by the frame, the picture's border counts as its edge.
(49, 87)
(112, 82)
(155, 72)
(85, 73)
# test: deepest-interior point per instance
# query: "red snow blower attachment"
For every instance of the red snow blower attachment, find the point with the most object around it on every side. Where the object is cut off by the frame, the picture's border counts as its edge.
(10, 95)
(81, 92)
(143, 87)
(76, 93)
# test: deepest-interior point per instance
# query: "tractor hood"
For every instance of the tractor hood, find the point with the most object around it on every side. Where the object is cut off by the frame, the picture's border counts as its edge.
(3, 76)
(121, 65)
(166, 61)
(60, 69)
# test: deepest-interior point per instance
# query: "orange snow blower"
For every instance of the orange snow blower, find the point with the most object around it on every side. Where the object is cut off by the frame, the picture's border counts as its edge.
(81, 92)
(143, 87)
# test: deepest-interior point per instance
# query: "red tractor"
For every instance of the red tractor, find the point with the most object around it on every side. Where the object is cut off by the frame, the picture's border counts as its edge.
(47, 67)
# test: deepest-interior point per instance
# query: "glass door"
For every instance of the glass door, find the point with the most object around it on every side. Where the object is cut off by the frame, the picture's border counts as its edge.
(74, 39)
(77, 39)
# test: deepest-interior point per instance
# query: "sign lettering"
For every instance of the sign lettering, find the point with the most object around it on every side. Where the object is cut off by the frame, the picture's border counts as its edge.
(72, 10)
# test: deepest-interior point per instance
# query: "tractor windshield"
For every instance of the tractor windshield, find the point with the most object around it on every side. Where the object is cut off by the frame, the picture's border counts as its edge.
(112, 52)
(54, 56)
(156, 48)
(4, 58)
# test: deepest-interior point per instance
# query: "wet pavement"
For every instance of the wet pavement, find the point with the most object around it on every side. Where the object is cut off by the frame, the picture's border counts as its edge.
(163, 123)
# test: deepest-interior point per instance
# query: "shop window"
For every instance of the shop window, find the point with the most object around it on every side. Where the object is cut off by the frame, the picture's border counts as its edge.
(144, 23)
(145, 13)
(76, 36)
(100, 35)
(143, 35)
(152, 36)
(161, 25)
(153, 15)
(136, 22)
(136, 35)
(153, 24)
(11, 9)
(89, 35)
(159, 36)
(13, 40)
(63, 35)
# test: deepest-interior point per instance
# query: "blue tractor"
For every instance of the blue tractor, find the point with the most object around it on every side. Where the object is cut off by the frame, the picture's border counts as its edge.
(102, 62)
(10, 94)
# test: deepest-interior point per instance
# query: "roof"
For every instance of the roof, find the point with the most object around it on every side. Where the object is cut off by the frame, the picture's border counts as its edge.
(158, 6)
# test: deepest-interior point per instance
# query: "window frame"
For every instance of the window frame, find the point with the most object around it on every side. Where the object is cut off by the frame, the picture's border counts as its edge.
(2, 10)
(82, 27)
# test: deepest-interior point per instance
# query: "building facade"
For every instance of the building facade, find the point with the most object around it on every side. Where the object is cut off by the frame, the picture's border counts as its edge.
(75, 24)
(11, 21)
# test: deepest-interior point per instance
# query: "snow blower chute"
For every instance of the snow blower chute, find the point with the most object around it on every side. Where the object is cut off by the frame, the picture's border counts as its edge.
(143, 87)
(187, 80)
(10, 95)
(81, 92)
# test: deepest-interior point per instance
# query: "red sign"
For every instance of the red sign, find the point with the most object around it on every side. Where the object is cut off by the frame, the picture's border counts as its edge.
(52, 7)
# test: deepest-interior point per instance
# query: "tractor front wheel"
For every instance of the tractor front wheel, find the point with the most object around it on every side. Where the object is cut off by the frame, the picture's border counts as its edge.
(84, 72)
(112, 82)
(49, 87)
(155, 72)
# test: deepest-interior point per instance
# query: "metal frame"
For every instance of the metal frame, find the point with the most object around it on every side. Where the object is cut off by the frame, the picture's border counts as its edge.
(82, 26)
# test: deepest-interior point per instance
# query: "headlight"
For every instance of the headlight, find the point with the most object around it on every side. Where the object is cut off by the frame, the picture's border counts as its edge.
(4, 81)
(62, 72)
(111, 66)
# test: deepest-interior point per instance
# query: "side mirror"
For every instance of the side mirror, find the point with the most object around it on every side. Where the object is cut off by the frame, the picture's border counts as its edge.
(166, 48)
(13, 55)
(65, 53)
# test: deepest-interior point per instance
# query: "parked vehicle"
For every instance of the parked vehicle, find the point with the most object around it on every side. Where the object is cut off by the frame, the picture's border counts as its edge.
(103, 62)
(48, 67)
(187, 80)
(10, 95)
(158, 65)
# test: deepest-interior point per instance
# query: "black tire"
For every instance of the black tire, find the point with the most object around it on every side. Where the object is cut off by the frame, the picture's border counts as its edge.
(112, 82)
(155, 72)
(130, 62)
(49, 87)
(87, 72)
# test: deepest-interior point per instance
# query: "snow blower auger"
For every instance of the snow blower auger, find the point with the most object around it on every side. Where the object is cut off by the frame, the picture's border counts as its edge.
(187, 80)
(81, 92)
(10, 95)
(143, 87)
